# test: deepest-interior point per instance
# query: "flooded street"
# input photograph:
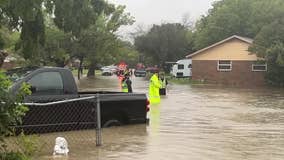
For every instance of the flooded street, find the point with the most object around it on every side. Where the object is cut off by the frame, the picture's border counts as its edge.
(192, 122)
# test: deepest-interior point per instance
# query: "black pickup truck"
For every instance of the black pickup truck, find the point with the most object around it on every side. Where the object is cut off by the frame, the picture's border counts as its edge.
(75, 111)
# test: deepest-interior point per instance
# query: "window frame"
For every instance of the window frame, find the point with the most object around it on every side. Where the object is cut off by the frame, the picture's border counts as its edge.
(224, 70)
(46, 92)
(257, 70)
(180, 68)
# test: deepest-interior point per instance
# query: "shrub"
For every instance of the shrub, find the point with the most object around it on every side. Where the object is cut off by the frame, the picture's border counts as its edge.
(11, 112)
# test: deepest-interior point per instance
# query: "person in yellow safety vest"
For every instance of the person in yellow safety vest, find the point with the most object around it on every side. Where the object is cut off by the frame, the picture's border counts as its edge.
(126, 84)
(164, 84)
(154, 87)
(126, 72)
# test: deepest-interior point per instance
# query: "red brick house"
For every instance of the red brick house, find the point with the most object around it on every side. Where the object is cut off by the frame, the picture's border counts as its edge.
(228, 62)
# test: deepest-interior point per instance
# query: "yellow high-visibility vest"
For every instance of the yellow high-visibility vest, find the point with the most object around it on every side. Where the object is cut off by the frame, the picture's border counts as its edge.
(164, 83)
(155, 85)
(124, 87)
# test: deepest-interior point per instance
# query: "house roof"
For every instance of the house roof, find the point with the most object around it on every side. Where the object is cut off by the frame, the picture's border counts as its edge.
(245, 39)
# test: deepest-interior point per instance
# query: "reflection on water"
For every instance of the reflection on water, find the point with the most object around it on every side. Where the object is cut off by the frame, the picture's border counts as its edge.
(155, 119)
(192, 122)
(82, 144)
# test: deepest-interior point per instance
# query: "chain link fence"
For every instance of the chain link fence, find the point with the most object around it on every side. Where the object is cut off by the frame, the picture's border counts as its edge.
(77, 120)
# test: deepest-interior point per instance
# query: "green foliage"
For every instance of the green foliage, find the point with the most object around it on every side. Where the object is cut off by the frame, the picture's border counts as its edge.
(183, 81)
(126, 52)
(28, 145)
(53, 31)
(13, 156)
(2, 41)
(26, 16)
(8, 39)
(98, 43)
(57, 47)
(74, 16)
(238, 17)
(269, 44)
(275, 62)
(11, 110)
(166, 42)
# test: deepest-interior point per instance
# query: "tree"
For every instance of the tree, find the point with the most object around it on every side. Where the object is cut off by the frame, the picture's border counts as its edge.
(57, 47)
(3, 55)
(93, 24)
(103, 36)
(26, 16)
(166, 42)
(269, 44)
(3, 41)
(126, 52)
(41, 42)
(238, 17)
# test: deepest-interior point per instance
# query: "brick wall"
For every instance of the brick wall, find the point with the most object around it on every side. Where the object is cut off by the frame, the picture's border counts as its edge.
(240, 75)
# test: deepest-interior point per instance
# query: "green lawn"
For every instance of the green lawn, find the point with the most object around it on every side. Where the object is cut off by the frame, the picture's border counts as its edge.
(182, 80)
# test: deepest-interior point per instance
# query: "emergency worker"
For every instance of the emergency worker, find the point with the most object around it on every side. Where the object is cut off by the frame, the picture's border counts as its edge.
(164, 84)
(126, 84)
(154, 87)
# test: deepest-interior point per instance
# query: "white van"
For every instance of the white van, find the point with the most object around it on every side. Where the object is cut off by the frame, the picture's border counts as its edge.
(182, 68)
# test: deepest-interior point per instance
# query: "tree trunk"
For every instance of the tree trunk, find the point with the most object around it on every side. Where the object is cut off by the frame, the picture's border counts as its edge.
(80, 68)
(79, 73)
(3, 55)
(1, 62)
(91, 71)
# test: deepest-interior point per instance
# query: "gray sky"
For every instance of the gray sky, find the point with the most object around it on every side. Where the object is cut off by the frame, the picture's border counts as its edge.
(148, 12)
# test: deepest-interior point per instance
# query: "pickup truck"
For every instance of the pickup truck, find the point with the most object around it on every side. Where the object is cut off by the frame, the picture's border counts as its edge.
(51, 84)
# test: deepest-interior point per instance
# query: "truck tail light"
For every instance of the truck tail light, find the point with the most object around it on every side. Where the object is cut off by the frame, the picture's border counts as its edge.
(147, 105)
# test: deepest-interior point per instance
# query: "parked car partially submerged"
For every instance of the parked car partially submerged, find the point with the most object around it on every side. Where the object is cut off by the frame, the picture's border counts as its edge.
(50, 85)
(140, 73)
(107, 72)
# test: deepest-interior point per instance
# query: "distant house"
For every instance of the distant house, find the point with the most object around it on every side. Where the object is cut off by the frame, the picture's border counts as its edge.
(182, 68)
(228, 62)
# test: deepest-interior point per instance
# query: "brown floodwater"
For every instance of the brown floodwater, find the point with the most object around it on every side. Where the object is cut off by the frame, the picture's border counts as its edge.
(194, 122)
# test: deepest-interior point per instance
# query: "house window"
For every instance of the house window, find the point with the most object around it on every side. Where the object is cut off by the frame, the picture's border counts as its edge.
(224, 66)
(179, 74)
(180, 66)
(259, 67)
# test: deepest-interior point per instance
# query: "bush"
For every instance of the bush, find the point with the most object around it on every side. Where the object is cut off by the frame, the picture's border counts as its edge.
(28, 145)
(13, 156)
(11, 112)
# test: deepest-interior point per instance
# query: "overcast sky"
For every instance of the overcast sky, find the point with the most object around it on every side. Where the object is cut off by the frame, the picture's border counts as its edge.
(148, 12)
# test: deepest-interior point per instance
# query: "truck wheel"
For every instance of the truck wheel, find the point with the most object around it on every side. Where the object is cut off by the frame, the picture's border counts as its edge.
(111, 123)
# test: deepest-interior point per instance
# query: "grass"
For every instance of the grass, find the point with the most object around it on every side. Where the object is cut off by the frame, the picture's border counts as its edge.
(182, 80)
(174, 80)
